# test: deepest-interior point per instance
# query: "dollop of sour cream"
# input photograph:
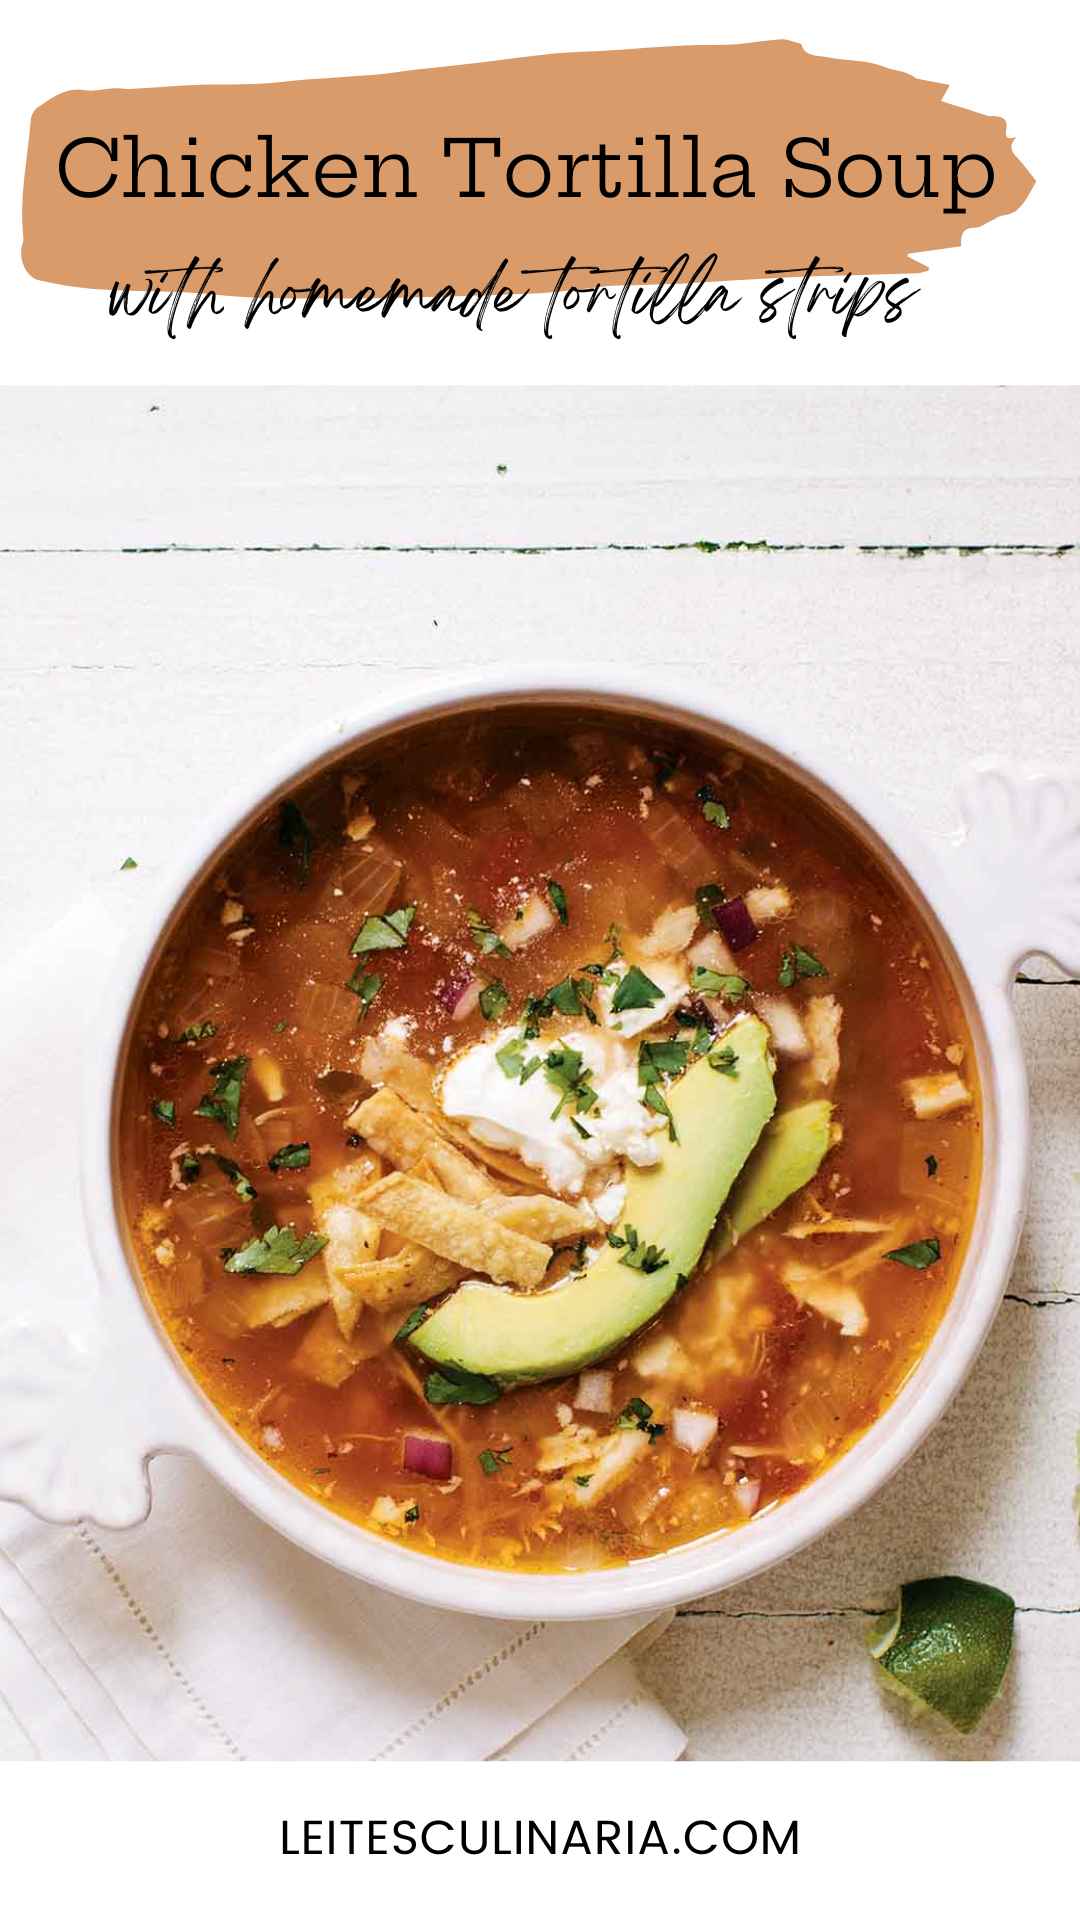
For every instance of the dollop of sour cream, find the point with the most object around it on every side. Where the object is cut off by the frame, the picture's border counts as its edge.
(670, 976)
(518, 1117)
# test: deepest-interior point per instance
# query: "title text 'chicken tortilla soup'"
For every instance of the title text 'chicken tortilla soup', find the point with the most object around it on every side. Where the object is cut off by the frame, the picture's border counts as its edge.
(551, 1139)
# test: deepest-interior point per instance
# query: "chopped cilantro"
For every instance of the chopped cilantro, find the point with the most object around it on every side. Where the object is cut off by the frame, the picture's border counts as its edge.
(460, 1389)
(565, 1071)
(411, 1514)
(493, 1460)
(644, 1259)
(494, 1000)
(296, 1154)
(165, 1111)
(713, 809)
(201, 1030)
(931, 1166)
(707, 980)
(383, 931)
(635, 989)
(654, 1100)
(638, 1413)
(280, 1026)
(295, 836)
(236, 1174)
(724, 1060)
(511, 1058)
(657, 1058)
(660, 1058)
(413, 1320)
(706, 898)
(570, 997)
(484, 937)
(222, 1103)
(797, 963)
(565, 997)
(699, 1019)
(582, 1479)
(366, 986)
(278, 1250)
(917, 1254)
(188, 1168)
(557, 896)
(126, 865)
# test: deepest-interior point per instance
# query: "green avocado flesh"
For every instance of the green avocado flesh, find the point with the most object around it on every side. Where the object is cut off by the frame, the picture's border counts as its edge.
(673, 1206)
(789, 1153)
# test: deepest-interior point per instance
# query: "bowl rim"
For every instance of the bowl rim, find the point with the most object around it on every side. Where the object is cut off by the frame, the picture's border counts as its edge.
(186, 1420)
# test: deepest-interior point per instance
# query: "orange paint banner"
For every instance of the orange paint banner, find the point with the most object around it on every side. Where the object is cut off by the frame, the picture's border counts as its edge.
(747, 160)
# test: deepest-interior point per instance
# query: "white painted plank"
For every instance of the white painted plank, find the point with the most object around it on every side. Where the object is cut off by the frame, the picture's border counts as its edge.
(108, 468)
(172, 676)
(755, 1689)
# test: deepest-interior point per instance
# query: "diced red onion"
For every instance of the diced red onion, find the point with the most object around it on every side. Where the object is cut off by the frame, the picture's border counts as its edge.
(468, 1001)
(593, 1393)
(459, 995)
(789, 1036)
(734, 920)
(692, 1429)
(747, 1494)
(429, 1454)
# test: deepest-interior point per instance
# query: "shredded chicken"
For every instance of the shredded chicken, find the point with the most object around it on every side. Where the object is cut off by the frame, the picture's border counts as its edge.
(821, 1018)
(352, 1236)
(931, 1095)
(767, 903)
(671, 931)
(834, 1299)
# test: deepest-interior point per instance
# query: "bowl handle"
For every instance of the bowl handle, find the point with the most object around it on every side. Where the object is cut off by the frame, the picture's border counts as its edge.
(1017, 865)
(82, 1410)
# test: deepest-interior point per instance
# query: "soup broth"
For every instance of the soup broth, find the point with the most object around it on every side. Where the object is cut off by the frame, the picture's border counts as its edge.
(444, 1077)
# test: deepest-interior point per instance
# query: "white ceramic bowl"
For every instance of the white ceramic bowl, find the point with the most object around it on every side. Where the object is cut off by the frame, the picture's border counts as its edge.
(1008, 888)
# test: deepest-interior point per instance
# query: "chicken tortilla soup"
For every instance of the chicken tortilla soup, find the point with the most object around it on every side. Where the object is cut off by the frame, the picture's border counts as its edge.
(550, 1139)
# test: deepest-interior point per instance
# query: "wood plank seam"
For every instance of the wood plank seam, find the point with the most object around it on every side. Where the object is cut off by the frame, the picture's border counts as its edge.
(893, 550)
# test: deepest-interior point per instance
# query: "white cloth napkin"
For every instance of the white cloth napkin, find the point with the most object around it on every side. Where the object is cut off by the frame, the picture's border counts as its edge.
(203, 1634)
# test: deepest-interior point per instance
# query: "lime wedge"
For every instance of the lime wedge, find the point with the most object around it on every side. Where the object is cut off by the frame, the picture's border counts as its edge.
(946, 1646)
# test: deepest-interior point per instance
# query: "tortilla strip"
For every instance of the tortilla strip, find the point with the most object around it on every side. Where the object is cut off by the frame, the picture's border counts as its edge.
(404, 1279)
(387, 1062)
(277, 1301)
(325, 1354)
(426, 1170)
(507, 1165)
(405, 1137)
(539, 1217)
(458, 1232)
(352, 1236)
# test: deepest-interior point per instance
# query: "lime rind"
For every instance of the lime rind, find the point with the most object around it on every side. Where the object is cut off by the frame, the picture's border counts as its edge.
(946, 1647)
(882, 1633)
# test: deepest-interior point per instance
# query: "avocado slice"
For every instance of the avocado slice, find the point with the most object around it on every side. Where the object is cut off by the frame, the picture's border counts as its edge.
(789, 1153)
(508, 1336)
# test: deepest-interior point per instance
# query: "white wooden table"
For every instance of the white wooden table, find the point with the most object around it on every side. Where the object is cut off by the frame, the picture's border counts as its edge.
(187, 575)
